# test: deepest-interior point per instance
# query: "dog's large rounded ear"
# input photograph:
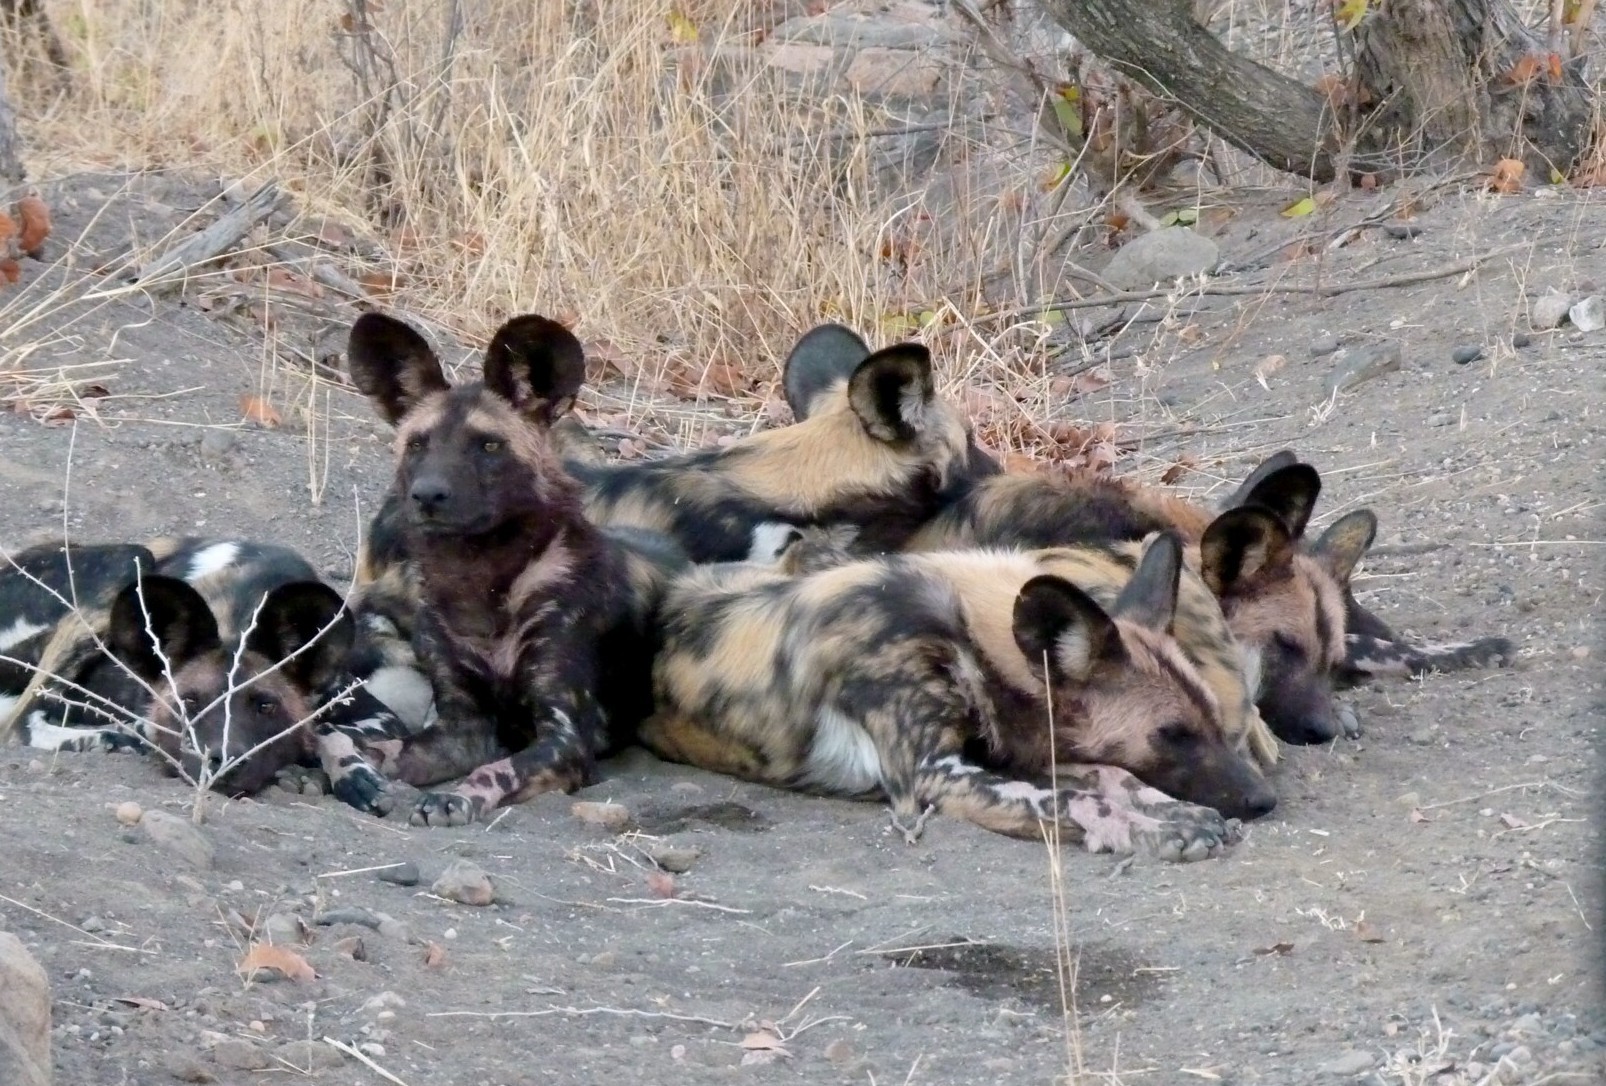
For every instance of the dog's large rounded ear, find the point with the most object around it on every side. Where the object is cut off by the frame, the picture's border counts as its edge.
(1056, 621)
(1276, 461)
(1290, 492)
(160, 617)
(306, 618)
(819, 360)
(392, 365)
(1345, 542)
(1241, 544)
(891, 392)
(537, 365)
(1149, 598)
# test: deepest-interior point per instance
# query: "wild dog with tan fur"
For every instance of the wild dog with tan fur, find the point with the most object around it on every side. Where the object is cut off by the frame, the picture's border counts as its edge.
(530, 622)
(872, 677)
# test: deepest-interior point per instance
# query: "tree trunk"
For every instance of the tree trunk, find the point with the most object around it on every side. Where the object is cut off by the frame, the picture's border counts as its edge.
(1461, 79)
(1466, 80)
(10, 145)
(1157, 43)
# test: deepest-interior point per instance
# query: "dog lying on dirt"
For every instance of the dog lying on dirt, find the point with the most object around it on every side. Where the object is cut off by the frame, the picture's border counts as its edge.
(531, 623)
(227, 657)
(873, 677)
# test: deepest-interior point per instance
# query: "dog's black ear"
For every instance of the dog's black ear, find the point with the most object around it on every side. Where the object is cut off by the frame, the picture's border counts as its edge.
(392, 365)
(537, 365)
(1056, 621)
(309, 618)
(1289, 491)
(1345, 542)
(891, 392)
(1240, 544)
(156, 618)
(1150, 597)
(821, 358)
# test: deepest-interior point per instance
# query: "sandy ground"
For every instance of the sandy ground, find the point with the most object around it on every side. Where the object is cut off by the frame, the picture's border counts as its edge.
(1423, 906)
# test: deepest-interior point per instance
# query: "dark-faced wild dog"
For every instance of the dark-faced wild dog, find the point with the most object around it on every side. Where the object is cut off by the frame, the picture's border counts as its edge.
(530, 622)
(873, 677)
(222, 655)
(1287, 597)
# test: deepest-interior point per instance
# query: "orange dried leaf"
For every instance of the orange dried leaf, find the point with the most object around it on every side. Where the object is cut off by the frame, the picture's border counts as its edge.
(1418, 816)
(10, 269)
(380, 283)
(1553, 67)
(288, 281)
(434, 955)
(35, 218)
(8, 227)
(260, 411)
(1507, 176)
(1089, 381)
(661, 883)
(763, 1041)
(143, 1003)
(1525, 71)
(285, 962)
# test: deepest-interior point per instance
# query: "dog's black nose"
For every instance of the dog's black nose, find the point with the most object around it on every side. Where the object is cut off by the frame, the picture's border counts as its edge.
(430, 494)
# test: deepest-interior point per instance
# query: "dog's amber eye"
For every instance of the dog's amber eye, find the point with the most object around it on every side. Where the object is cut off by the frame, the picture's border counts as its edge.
(491, 446)
(415, 444)
(266, 706)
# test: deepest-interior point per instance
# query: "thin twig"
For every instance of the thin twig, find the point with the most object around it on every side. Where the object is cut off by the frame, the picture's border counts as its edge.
(352, 1050)
(580, 1012)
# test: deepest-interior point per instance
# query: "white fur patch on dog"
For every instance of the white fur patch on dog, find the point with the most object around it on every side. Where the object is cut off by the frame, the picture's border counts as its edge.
(214, 559)
(18, 632)
(406, 692)
(843, 758)
(769, 540)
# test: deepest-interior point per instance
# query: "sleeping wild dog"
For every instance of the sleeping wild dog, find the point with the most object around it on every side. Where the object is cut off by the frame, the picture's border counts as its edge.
(874, 676)
(213, 652)
(531, 623)
(1287, 598)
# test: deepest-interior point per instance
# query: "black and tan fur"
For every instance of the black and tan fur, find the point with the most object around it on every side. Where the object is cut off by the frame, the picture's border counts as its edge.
(1287, 598)
(211, 651)
(874, 676)
(530, 622)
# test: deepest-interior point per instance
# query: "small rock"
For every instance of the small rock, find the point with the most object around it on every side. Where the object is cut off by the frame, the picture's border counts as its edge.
(1323, 346)
(128, 813)
(216, 445)
(1462, 356)
(286, 928)
(1519, 340)
(1579, 652)
(24, 1016)
(1422, 737)
(403, 874)
(392, 928)
(383, 1001)
(1549, 310)
(92, 924)
(1362, 364)
(674, 858)
(1348, 721)
(310, 1056)
(238, 1054)
(351, 947)
(178, 836)
(186, 1068)
(1348, 1065)
(1588, 315)
(610, 816)
(1401, 231)
(839, 1052)
(465, 882)
(1160, 257)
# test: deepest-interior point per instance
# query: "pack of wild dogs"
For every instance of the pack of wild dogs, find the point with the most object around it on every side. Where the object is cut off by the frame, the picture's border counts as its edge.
(858, 604)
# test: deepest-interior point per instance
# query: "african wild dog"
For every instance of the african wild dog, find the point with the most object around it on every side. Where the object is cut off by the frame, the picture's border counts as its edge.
(874, 676)
(206, 650)
(1287, 599)
(530, 622)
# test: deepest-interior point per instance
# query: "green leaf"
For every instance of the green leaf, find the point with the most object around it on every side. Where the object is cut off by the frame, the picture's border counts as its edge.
(1070, 117)
(1299, 208)
(1350, 13)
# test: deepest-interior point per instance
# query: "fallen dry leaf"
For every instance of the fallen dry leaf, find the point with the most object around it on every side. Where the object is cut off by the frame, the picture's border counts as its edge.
(661, 883)
(1366, 933)
(610, 816)
(268, 956)
(434, 955)
(351, 947)
(764, 1041)
(1417, 816)
(1089, 381)
(1191, 334)
(1186, 463)
(143, 1003)
(35, 217)
(1268, 366)
(1275, 948)
(260, 411)
(381, 283)
(1507, 176)
(288, 281)
(1512, 822)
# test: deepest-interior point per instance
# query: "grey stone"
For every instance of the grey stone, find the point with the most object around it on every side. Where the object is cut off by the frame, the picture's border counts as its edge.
(178, 836)
(24, 1016)
(1323, 345)
(1519, 340)
(285, 928)
(465, 882)
(857, 31)
(310, 1056)
(238, 1054)
(1160, 257)
(404, 874)
(1588, 315)
(1348, 1065)
(216, 445)
(1461, 356)
(1549, 310)
(1360, 364)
